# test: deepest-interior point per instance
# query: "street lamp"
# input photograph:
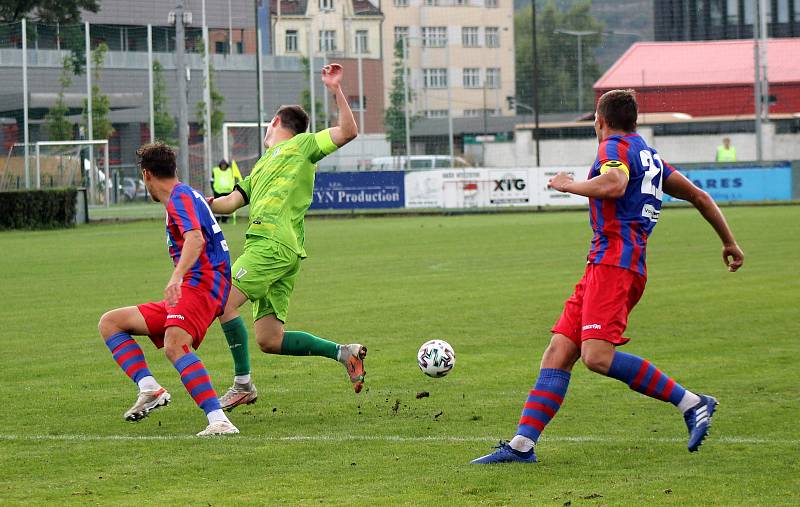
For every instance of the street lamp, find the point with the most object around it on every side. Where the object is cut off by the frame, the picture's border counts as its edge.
(579, 34)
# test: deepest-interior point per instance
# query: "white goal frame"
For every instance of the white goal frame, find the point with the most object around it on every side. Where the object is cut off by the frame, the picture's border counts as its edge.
(227, 125)
(92, 189)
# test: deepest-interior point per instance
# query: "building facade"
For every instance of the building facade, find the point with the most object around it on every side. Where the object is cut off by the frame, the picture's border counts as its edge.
(460, 54)
(341, 31)
(683, 20)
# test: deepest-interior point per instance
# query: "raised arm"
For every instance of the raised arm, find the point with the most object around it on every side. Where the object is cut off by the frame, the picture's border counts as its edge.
(346, 130)
(678, 186)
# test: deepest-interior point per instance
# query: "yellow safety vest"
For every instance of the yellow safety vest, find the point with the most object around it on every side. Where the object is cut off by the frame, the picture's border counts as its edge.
(223, 180)
(726, 155)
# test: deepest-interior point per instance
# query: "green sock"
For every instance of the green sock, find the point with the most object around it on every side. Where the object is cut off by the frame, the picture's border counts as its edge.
(236, 335)
(299, 343)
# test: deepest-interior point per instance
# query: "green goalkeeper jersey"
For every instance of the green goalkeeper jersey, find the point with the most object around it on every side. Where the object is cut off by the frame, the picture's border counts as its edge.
(281, 185)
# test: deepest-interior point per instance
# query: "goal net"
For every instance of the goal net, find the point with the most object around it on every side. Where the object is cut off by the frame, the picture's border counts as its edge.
(59, 166)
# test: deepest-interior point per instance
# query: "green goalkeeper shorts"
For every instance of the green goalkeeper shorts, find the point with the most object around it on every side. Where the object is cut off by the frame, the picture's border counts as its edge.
(265, 273)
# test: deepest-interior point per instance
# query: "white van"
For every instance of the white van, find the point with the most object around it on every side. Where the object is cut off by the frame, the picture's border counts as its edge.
(416, 163)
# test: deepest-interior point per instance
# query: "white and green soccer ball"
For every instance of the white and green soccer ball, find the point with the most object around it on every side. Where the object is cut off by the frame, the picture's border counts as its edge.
(436, 358)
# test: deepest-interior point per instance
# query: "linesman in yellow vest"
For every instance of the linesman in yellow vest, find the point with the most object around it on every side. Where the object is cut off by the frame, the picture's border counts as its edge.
(726, 152)
(223, 179)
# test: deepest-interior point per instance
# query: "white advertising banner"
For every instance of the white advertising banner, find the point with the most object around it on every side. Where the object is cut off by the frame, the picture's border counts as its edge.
(485, 188)
(424, 189)
(511, 187)
(550, 197)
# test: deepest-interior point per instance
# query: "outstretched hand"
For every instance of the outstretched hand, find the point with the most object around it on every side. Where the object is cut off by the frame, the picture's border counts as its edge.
(733, 257)
(332, 75)
(560, 181)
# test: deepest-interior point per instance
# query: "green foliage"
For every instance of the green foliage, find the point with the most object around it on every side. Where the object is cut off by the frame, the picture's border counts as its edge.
(48, 11)
(394, 118)
(38, 209)
(164, 122)
(394, 283)
(101, 105)
(305, 101)
(58, 127)
(217, 100)
(558, 59)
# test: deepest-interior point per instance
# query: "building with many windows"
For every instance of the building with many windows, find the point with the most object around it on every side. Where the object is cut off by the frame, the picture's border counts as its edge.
(681, 20)
(344, 31)
(460, 54)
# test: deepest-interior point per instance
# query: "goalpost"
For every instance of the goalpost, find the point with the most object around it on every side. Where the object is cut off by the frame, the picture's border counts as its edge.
(97, 179)
(242, 142)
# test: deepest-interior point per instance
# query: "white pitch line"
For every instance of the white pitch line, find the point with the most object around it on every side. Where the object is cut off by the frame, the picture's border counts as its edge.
(393, 438)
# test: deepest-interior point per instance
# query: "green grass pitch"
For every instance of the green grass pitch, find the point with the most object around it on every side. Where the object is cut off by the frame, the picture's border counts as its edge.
(492, 286)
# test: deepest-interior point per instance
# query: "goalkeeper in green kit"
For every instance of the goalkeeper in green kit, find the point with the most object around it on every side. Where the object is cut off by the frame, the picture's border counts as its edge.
(279, 191)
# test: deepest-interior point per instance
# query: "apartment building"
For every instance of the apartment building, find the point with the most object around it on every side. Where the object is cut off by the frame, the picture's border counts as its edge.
(460, 54)
(344, 31)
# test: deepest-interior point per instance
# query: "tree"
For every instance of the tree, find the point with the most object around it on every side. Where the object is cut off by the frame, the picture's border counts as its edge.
(57, 125)
(217, 99)
(48, 11)
(557, 56)
(101, 105)
(162, 120)
(394, 119)
(305, 101)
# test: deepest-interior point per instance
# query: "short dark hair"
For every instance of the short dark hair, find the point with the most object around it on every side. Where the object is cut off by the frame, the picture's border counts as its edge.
(158, 159)
(619, 109)
(293, 118)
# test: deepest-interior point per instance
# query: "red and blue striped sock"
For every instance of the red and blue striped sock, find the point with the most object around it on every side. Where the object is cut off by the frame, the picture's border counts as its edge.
(129, 356)
(543, 402)
(196, 380)
(645, 378)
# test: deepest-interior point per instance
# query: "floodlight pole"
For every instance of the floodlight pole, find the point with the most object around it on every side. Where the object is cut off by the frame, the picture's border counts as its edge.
(535, 82)
(25, 100)
(259, 83)
(450, 140)
(311, 90)
(207, 99)
(183, 107)
(89, 114)
(405, 99)
(151, 101)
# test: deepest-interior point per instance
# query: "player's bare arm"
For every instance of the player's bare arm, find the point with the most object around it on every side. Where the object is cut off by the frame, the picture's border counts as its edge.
(227, 204)
(193, 245)
(679, 186)
(610, 185)
(347, 130)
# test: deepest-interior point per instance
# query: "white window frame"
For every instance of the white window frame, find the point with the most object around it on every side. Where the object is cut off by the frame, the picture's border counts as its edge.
(470, 37)
(492, 78)
(327, 41)
(401, 3)
(492, 36)
(400, 33)
(292, 34)
(326, 5)
(435, 78)
(362, 41)
(471, 77)
(434, 36)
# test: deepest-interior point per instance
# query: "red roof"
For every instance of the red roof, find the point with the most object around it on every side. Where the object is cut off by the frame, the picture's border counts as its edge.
(706, 63)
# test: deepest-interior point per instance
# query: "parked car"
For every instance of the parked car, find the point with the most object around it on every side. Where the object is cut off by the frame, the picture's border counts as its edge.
(132, 189)
(416, 163)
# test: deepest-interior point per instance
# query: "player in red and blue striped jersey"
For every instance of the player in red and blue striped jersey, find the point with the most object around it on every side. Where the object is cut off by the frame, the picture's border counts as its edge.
(195, 295)
(625, 188)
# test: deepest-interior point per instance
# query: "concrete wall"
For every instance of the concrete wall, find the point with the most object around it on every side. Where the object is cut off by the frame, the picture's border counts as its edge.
(674, 149)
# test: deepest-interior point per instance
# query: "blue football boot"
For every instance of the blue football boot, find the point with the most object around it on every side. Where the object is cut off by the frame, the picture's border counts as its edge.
(698, 420)
(505, 454)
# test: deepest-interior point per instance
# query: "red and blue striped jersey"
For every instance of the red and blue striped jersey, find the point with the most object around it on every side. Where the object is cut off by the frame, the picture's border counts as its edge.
(621, 226)
(187, 210)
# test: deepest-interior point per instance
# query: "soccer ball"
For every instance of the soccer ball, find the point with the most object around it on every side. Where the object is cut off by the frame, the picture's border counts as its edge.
(436, 358)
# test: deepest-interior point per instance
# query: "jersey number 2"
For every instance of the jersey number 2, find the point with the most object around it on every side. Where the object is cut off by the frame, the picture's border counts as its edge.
(651, 183)
(215, 228)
